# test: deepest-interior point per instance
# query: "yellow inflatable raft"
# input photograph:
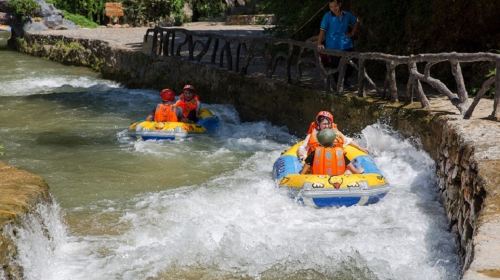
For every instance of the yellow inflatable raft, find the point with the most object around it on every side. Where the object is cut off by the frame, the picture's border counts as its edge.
(327, 191)
(150, 130)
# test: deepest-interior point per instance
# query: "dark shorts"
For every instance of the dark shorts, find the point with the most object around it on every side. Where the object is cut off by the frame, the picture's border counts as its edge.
(192, 116)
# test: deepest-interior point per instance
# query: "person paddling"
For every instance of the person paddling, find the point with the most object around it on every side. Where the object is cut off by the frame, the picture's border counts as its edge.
(323, 120)
(190, 104)
(328, 158)
(166, 111)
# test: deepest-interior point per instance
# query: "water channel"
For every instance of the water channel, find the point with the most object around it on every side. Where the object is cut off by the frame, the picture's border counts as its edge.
(202, 208)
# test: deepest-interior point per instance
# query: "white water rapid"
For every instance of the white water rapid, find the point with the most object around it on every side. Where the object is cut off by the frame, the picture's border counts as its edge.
(205, 207)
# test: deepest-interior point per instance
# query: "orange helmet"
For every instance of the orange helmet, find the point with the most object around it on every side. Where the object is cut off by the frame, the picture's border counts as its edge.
(324, 114)
(189, 87)
(167, 94)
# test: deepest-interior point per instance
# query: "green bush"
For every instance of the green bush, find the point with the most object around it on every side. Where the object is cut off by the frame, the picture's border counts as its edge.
(23, 8)
(91, 9)
(292, 15)
(208, 9)
(140, 12)
(79, 20)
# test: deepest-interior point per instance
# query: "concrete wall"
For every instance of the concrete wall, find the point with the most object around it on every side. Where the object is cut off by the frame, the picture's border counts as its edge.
(468, 167)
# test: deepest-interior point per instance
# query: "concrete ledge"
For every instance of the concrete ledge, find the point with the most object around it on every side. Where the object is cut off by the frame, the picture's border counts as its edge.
(20, 193)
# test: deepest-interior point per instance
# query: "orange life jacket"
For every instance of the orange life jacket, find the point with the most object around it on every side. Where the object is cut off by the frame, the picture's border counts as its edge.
(165, 113)
(328, 161)
(314, 125)
(187, 106)
(313, 142)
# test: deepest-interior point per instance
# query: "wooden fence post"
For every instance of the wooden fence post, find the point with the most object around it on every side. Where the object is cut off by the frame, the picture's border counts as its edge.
(238, 55)
(289, 63)
(392, 82)
(214, 51)
(456, 70)
(484, 88)
(167, 41)
(340, 80)
(496, 102)
(190, 46)
(229, 55)
(154, 49)
(206, 46)
(160, 48)
(361, 77)
(172, 44)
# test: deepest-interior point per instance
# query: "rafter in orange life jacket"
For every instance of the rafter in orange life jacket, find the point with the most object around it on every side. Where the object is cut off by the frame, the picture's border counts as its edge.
(313, 140)
(187, 106)
(166, 113)
(328, 161)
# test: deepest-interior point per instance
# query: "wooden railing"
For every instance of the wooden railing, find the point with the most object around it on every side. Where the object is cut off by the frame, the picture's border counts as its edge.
(258, 54)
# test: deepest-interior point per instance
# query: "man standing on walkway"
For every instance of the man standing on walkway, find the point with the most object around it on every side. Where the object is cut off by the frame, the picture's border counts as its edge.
(334, 31)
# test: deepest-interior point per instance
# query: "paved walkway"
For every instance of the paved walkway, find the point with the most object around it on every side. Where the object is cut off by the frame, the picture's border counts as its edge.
(132, 38)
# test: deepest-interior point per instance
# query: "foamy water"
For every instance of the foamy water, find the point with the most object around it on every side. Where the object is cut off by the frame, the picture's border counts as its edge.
(50, 84)
(238, 224)
(205, 207)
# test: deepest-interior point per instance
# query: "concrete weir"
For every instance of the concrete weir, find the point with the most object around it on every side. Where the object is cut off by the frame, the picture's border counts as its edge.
(466, 152)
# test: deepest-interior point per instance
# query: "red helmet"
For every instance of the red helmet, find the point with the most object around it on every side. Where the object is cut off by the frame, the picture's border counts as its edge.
(189, 87)
(325, 114)
(167, 95)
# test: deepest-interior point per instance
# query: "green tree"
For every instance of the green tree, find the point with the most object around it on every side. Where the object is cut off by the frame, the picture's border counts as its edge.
(23, 8)
(208, 8)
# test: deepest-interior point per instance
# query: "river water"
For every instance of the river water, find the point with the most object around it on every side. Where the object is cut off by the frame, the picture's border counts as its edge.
(202, 208)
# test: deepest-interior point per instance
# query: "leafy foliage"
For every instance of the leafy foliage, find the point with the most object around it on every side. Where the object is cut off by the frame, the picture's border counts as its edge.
(208, 9)
(23, 8)
(139, 12)
(79, 20)
(91, 9)
(291, 16)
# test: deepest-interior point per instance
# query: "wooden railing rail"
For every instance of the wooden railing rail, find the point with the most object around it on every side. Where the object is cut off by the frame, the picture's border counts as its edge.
(266, 54)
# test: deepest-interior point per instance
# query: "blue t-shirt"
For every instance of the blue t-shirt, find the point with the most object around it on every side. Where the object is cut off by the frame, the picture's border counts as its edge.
(336, 28)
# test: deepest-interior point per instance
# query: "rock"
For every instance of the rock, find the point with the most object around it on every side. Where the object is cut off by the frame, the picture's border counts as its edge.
(53, 21)
(47, 10)
(67, 24)
(34, 27)
(4, 18)
(48, 17)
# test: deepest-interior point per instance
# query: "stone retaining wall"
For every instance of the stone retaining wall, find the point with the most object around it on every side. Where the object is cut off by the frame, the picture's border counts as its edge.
(20, 192)
(468, 160)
